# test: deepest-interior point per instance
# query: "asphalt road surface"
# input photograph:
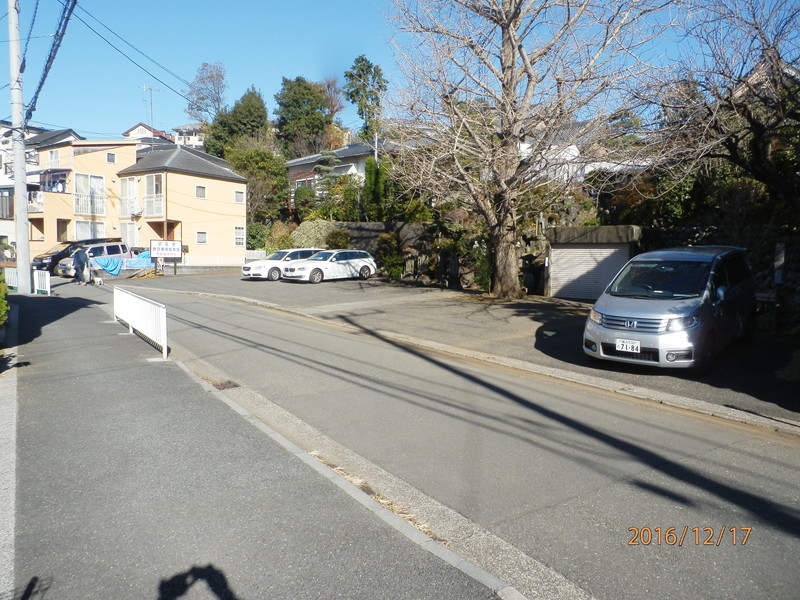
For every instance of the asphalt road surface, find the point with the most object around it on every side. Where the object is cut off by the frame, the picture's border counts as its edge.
(626, 499)
(761, 379)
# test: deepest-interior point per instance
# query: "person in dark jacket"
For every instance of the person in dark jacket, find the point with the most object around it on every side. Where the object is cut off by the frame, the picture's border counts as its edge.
(80, 261)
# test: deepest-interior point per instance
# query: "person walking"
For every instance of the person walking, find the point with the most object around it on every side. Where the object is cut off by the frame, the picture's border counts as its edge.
(80, 261)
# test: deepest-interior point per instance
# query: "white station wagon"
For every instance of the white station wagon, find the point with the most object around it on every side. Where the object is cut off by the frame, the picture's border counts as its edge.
(273, 265)
(332, 264)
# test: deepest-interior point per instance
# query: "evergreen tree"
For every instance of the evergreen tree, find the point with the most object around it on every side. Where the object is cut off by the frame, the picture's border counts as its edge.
(364, 88)
(247, 118)
(303, 115)
(376, 178)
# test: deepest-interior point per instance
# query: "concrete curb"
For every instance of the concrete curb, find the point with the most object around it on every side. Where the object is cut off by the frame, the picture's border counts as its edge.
(496, 585)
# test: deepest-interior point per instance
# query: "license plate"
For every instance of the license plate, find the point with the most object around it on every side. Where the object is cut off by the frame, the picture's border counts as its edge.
(628, 346)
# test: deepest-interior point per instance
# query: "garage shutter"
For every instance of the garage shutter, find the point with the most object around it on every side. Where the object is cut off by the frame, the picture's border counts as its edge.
(582, 271)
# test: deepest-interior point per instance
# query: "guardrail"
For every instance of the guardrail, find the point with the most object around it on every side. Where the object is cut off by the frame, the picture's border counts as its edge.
(145, 317)
(41, 280)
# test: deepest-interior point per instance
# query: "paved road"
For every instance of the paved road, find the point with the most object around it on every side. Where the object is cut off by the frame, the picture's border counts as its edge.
(758, 379)
(128, 479)
(560, 473)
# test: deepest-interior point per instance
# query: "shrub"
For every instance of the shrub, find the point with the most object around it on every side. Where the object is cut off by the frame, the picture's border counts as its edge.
(256, 236)
(305, 198)
(337, 238)
(280, 236)
(3, 302)
(312, 234)
(389, 255)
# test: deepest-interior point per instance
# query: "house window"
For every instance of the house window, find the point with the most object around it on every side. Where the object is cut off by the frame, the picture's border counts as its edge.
(54, 182)
(89, 229)
(200, 192)
(53, 158)
(90, 195)
(238, 236)
(238, 197)
(127, 197)
(202, 238)
(6, 204)
(111, 158)
(153, 199)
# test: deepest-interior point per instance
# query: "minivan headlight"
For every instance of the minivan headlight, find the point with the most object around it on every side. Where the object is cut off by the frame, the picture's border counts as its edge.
(595, 317)
(682, 324)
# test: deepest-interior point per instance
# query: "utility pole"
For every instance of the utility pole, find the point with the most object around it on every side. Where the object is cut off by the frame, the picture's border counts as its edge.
(23, 250)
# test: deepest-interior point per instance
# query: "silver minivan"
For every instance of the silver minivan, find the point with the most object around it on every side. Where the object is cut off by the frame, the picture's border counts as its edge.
(106, 250)
(674, 308)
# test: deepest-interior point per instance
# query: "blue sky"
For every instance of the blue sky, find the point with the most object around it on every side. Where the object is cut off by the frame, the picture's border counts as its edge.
(99, 93)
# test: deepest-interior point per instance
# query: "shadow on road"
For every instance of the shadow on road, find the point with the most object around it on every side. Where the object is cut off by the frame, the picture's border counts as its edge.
(781, 517)
(179, 585)
(777, 515)
(36, 312)
(767, 369)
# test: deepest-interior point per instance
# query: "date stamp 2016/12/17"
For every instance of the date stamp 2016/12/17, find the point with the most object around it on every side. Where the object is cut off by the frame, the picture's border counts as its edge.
(679, 536)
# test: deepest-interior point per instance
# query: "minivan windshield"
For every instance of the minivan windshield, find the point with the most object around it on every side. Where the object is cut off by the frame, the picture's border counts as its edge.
(59, 247)
(661, 279)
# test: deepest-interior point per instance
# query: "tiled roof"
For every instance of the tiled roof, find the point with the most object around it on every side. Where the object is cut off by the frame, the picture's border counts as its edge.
(181, 159)
(51, 137)
(356, 149)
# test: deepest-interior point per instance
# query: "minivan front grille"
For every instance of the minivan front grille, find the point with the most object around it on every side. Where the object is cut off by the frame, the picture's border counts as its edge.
(632, 324)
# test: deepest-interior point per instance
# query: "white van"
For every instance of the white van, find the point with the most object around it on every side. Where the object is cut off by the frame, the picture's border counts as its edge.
(674, 308)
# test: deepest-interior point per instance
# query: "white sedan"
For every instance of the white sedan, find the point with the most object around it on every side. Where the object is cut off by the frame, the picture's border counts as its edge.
(272, 267)
(332, 264)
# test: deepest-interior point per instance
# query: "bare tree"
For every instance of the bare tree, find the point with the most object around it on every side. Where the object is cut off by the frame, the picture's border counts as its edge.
(206, 94)
(735, 92)
(501, 96)
(333, 91)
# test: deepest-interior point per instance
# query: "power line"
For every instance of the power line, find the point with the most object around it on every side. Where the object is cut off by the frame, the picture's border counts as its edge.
(152, 60)
(30, 32)
(98, 34)
(66, 13)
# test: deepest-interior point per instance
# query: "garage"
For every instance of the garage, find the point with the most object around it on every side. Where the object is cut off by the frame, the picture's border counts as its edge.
(583, 260)
(583, 272)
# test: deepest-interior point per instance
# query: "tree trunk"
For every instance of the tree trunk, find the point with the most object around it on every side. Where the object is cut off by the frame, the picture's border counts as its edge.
(505, 276)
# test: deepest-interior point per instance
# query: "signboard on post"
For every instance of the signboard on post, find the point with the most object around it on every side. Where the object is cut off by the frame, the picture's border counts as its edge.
(167, 249)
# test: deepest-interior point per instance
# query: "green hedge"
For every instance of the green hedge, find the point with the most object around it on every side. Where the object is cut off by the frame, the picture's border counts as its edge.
(3, 301)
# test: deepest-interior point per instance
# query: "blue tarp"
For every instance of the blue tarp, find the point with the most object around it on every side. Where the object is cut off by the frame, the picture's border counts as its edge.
(113, 266)
(142, 261)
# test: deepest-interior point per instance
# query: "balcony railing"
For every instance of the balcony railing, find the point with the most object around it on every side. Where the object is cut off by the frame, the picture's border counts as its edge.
(129, 207)
(90, 204)
(35, 202)
(154, 205)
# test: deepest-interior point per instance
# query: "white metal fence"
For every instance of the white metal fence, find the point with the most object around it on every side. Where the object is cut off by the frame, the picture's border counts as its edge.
(144, 316)
(41, 280)
(255, 255)
(10, 275)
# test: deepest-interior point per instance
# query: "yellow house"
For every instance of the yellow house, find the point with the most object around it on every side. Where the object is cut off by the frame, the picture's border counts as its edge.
(110, 189)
